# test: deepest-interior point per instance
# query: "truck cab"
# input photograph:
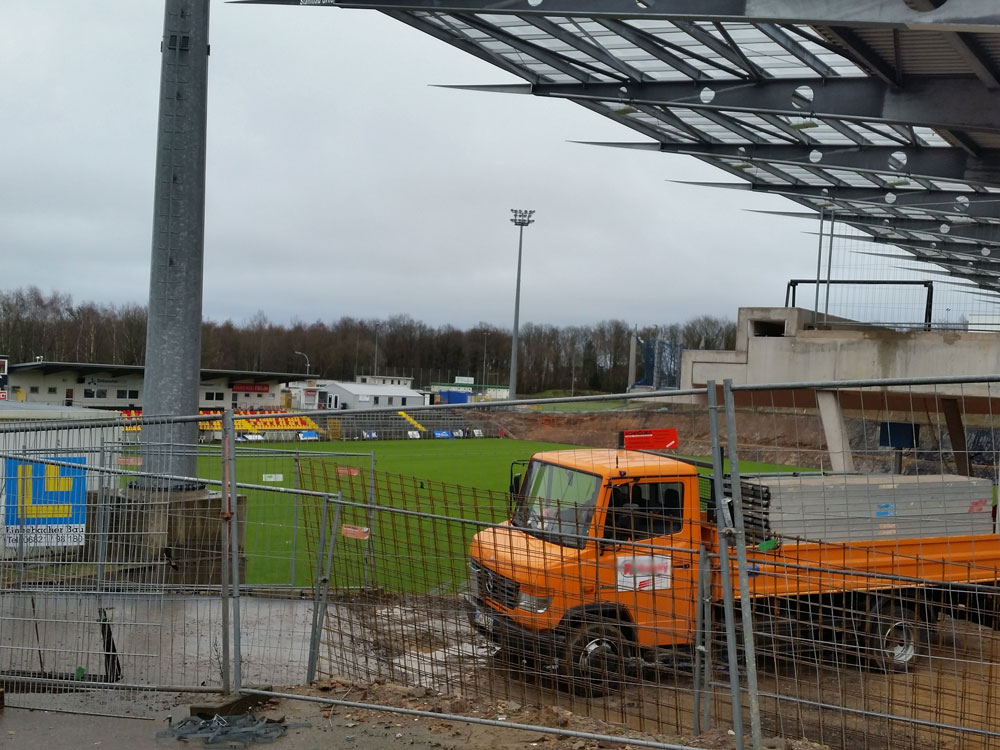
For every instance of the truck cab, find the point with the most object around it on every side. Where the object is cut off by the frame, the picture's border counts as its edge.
(597, 562)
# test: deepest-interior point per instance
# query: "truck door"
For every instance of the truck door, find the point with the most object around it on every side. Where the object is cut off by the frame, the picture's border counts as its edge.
(649, 562)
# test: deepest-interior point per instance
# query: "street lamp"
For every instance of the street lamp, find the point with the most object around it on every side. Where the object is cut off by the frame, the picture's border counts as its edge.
(303, 354)
(521, 218)
(486, 335)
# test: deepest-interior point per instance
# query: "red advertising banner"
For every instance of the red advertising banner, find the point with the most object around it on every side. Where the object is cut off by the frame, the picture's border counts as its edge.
(251, 388)
(650, 440)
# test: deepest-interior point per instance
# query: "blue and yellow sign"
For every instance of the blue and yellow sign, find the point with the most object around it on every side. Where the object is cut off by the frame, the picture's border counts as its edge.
(45, 505)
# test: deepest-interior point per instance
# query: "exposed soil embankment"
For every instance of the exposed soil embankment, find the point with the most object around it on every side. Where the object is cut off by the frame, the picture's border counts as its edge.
(788, 437)
(783, 438)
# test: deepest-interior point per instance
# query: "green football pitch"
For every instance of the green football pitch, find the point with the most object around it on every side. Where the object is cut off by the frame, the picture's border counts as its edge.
(407, 553)
(281, 525)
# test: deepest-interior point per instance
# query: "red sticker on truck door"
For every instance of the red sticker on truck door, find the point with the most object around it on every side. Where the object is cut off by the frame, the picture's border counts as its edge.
(643, 573)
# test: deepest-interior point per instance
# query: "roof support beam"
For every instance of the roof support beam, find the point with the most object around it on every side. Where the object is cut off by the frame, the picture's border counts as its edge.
(653, 46)
(925, 249)
(984, 233)
(864, 55)
(952, 203)
(933, 163)
(959, 103)
(784, 40)
(578, 42)
(955, 15)
(580, 71)
(468, 46)
(730, 52)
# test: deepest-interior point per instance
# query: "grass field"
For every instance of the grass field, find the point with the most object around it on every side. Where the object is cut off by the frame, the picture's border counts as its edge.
(276, 544)
(460, 479)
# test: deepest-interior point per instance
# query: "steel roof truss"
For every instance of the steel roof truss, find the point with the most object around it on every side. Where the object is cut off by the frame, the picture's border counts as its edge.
(463, 43)
(661, 50)
(961, 15)
(933, 102)
(590, 48)
(730, 52)
(781, 37)
(581, 71)
(669, 118)
(934, 163)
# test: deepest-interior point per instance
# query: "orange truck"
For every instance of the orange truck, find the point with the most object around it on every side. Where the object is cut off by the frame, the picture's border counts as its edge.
(599, 570)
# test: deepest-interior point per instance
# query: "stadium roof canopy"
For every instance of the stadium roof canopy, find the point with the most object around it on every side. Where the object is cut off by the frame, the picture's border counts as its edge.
(884, 112)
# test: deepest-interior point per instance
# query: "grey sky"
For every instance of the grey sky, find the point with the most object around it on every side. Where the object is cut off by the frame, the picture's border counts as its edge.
(340, 182)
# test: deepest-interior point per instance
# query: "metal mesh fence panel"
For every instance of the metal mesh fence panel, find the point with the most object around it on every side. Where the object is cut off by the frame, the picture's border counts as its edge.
(401, 601)
(104, 566)
(872, 560)
(838, 574)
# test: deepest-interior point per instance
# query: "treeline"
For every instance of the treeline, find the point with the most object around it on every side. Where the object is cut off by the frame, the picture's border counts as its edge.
(582, 358)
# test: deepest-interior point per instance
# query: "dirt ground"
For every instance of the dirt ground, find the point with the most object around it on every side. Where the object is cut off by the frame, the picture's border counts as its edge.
(364, 724)
(61, 722)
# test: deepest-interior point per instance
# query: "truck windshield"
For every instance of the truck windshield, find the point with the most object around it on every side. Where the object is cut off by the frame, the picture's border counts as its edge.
(557, 504)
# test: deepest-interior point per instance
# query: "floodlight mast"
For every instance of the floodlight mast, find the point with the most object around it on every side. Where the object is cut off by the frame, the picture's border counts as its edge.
(521, 218)
(173, 332)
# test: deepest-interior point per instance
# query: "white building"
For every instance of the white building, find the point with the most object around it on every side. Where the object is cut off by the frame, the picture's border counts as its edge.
(368, 395)
(119, 387)
(311, 395)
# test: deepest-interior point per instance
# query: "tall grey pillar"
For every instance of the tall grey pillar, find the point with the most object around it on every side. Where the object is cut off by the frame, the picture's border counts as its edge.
(173, 333)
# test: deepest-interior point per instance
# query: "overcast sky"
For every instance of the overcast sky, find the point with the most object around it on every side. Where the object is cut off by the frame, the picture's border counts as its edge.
(341, 182)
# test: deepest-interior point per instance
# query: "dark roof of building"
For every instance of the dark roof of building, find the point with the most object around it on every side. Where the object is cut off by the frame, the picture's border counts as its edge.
(884, 114)
(234, 376)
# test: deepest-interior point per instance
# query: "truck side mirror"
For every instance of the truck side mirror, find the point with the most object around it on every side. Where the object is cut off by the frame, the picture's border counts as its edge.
(515, 484)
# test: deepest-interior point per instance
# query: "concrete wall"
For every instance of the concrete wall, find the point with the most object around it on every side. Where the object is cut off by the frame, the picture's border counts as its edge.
(780, 345)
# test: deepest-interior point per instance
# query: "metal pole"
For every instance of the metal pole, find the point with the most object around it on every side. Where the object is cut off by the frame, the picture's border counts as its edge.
(829, 265)
(512, 388)
(370, 547)
(746, 610)
(303, 354)
(228, 437)
(819, 266)
(173, 332)
(701, 645)
(103, 509)
(317, 615)
(724, 527)
(296, 500)
(521, 219)
(486, 336)
(234, 544)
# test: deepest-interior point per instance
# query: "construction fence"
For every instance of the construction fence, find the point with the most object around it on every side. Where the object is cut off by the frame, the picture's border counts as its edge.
(828, 570)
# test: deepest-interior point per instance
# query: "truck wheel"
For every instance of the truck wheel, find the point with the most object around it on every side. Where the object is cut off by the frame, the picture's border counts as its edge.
(894, 635)
(596, 657)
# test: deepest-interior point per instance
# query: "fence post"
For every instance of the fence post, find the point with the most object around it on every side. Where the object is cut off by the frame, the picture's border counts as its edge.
(702, 645)
(232, 508)
(370, 549)
(228, 442)
(746, 608)
(724, 526)
(296, 500)
(324, 572)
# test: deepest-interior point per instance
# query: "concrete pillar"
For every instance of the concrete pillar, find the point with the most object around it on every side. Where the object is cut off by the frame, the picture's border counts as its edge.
(837, 442)
(956, 433)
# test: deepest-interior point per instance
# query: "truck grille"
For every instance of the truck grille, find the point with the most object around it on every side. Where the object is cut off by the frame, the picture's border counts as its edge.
(488, 584)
